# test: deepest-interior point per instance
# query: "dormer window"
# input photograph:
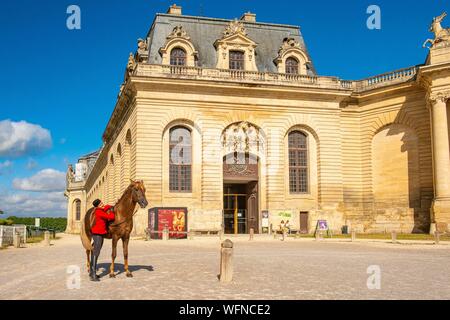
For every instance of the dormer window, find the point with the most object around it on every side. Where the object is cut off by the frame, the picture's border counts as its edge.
(178, 57)
(291, 65)
(292, 58)
(237, 61)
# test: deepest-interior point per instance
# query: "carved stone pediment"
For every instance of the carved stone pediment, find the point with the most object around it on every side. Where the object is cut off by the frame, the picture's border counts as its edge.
(235, 37)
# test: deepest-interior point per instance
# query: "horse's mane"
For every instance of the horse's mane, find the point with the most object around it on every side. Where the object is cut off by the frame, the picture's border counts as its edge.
(124, 194)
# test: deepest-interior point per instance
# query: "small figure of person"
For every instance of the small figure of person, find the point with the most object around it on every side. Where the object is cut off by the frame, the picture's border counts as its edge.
(287, 227)
(104, 214)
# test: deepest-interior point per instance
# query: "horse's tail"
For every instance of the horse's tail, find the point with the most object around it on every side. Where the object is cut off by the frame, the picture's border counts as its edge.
(85, 234)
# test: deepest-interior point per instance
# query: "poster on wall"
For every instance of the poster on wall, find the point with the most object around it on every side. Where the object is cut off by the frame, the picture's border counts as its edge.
(175, 219)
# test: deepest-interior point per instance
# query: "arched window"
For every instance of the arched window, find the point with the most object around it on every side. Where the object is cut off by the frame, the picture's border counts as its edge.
(291, 65)
(298, 162)
(180, 159)
(178, 57)
(77, 210)
(237, 60)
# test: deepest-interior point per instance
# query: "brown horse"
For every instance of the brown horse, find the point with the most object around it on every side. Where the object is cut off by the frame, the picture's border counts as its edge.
(121, 227)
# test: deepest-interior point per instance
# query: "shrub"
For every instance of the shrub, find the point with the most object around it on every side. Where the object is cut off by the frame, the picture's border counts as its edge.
(58, 224)
(6, 222)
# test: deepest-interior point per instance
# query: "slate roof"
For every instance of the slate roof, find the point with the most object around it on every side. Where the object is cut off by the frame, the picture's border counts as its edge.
(205, 31)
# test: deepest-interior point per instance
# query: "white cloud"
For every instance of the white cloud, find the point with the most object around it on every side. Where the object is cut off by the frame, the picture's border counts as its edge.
(52, 204)
(5, 167)
(22, 138)
(44, 180)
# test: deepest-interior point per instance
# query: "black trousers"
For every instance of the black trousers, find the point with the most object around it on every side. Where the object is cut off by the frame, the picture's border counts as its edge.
(98, 244)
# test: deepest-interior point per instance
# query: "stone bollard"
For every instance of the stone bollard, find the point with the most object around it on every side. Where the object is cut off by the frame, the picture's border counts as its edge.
(394, 237)
(226, 261)
(436, 237)
(252, 234)
(353, 236)
(319, 235)
(165, 234)
(16, 240)
(47, 238)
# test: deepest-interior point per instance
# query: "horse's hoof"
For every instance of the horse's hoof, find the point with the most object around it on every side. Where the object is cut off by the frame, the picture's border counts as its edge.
(130, 275)
(112, 275)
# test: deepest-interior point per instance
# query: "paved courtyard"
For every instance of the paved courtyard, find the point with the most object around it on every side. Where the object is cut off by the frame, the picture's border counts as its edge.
(263, 269)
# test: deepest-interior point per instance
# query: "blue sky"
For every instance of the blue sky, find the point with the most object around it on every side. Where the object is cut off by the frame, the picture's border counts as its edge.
(58, 86)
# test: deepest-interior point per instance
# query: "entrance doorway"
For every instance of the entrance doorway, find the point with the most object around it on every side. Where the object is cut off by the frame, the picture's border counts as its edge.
(240, 213)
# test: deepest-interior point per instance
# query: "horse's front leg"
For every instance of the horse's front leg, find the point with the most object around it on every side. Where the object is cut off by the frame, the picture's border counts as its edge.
(113, 257)
(125, 242)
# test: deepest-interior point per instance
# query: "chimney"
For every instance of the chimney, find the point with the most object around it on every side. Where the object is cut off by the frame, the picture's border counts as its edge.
(248, 17)
(174, 9)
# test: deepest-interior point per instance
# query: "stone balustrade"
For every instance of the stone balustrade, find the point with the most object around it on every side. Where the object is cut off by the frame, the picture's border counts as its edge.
(386, 79)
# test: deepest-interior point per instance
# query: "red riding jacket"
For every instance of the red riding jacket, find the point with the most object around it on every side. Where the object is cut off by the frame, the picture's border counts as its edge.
(101, 218)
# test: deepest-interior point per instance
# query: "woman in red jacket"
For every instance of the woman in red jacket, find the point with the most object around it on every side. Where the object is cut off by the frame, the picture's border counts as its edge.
(103, 215)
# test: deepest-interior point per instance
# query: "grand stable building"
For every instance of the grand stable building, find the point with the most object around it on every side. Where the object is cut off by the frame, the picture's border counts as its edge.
(229, 119)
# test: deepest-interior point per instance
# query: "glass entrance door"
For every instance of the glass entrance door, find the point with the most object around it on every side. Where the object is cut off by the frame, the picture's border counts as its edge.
(235, 213)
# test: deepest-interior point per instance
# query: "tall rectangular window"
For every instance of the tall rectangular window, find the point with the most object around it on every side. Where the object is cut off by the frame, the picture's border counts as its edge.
(180, 160)
(237, 60)
(298, 162)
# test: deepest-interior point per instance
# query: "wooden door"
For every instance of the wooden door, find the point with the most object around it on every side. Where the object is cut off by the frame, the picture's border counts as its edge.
(252, 207)
(304, 222)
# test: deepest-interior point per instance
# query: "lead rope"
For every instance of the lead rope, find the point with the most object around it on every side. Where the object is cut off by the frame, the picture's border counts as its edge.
(118, 224)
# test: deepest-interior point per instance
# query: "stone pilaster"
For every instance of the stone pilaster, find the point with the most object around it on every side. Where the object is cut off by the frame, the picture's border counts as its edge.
(441, 162)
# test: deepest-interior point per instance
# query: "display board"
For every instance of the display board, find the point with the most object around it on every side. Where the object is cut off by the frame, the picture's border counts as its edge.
(175, 219)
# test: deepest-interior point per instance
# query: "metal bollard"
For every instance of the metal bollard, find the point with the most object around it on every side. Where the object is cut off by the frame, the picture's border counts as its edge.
(190, 235)
(226, 261)
(436, 237)
(47, 238)
(165, 235)
(252, 233)
(394, 237)
(221, 235)
(353, 236)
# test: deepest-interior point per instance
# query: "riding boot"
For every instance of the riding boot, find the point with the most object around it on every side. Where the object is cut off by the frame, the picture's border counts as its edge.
(93, 272)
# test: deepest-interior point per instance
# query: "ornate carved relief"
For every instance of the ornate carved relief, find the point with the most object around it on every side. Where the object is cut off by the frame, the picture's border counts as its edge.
(179, 38)
(131, 63)
(235, 38)
(242, 138)
(442, 96)
(235, 27)
(178, 32)
(291, 48)
(142, 52)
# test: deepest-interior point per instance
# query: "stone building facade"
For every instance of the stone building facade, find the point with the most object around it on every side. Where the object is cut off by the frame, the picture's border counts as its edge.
(231, 120)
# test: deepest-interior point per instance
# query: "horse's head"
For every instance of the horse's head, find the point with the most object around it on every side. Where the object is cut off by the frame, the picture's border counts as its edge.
(138, 193)
(436, 23)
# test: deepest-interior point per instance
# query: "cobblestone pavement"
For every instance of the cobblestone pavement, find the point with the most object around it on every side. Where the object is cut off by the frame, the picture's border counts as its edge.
(263, 269)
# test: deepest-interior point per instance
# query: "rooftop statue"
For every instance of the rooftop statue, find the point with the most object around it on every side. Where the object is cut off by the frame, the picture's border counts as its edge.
(440, 34)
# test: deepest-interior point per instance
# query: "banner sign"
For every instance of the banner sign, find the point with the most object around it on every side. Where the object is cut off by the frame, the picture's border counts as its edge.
(322, 225)
(175, 219)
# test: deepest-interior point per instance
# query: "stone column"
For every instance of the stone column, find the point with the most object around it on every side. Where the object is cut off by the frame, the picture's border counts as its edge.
(441, 163)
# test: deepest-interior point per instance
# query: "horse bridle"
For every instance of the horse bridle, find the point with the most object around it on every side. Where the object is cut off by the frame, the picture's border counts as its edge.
(139, 196)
